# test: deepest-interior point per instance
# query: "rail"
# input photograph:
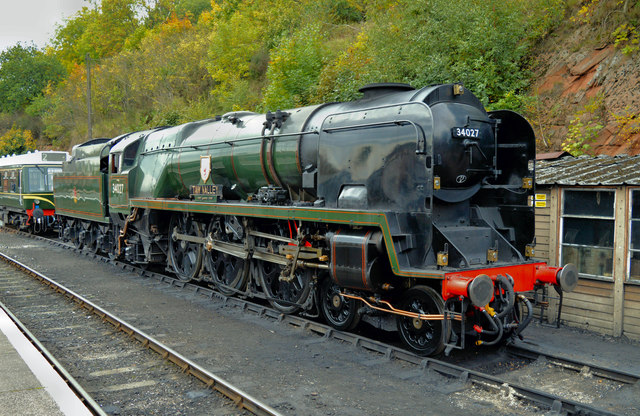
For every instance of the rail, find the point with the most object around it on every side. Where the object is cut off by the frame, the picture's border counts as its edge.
(557, 404)
(579, 366)
(239, 397)
(82, 394)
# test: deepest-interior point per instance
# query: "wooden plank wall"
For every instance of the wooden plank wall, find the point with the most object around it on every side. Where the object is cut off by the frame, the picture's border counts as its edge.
(543, 222)
(631, 322)
(590, 306)
(593, 305)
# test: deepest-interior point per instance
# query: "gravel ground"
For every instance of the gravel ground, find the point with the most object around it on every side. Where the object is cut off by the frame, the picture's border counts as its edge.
(293, 371)
(122, 376)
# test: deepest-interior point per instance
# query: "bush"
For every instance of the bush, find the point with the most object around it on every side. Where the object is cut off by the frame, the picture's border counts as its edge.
(294, 70)
(16, 141)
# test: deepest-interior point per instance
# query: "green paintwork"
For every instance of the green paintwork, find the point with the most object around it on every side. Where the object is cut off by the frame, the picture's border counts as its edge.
(119, 193)
(80, 191)
(336, 216)
(18, 193)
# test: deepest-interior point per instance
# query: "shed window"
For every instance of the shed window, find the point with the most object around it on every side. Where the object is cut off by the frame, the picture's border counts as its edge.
(588, 226)
(634, 239)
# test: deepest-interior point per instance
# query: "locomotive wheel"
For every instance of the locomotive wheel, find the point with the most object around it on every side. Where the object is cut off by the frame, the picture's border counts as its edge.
(62, 226)
(228, 273)
(93, 238)
(284, 296)
(339, 312)
(75, 239)
(113, 247)
(186, 257)
(422, 337)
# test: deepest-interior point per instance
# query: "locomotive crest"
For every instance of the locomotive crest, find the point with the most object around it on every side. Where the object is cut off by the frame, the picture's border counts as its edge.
(205, 167)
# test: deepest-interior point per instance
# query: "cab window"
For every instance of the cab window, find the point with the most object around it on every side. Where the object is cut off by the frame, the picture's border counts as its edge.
(129, 155)
(115, 162)
(36, 179)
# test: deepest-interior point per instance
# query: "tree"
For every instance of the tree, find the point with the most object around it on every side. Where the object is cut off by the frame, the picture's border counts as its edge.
(160, 11)
(294, 70)
(99, 32)
(16, 141)
(67, 37)
(24, 73)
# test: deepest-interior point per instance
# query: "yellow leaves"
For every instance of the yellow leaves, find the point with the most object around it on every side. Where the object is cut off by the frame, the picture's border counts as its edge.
(175, 25)
(586, 12)
(361, 41)
(16, 141)
(628, 123)
(585, 127)
(626, 37)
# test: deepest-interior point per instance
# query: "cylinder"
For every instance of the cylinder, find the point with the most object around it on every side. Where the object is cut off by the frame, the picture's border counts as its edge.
(355, 259)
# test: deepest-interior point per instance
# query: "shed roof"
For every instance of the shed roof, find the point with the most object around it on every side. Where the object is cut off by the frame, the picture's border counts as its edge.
(588, 170)
(551, 155)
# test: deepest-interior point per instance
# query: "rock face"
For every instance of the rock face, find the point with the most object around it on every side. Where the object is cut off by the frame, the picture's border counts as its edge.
(600, 85)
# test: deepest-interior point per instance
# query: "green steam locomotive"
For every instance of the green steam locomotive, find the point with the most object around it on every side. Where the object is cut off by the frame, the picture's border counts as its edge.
(406, 207)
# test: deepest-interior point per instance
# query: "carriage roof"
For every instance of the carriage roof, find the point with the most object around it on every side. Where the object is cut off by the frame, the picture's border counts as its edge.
(48, 157)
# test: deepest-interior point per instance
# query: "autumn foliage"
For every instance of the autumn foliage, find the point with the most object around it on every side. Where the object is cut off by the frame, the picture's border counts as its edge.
(164, 62)
(16, 141)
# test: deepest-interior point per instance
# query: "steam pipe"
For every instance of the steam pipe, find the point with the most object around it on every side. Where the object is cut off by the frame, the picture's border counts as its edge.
(511, 296)
(528, 318)
(497, 328)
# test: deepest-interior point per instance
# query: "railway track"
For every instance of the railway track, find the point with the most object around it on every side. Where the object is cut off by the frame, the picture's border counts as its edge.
(115, 369)
(416, 366)
(595, 370)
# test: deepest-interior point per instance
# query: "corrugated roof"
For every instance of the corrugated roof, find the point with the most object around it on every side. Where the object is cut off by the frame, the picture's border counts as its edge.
(588, 170)
(552, 155)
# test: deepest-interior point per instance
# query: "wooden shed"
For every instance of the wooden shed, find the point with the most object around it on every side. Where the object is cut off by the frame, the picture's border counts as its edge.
(588, 214)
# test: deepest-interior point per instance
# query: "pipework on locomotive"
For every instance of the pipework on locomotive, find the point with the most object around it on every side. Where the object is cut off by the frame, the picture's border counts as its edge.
(413, 206)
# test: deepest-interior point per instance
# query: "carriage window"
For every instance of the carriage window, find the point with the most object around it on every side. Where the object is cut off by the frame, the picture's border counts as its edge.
(588, 231)
(50, 173)
(13, 186)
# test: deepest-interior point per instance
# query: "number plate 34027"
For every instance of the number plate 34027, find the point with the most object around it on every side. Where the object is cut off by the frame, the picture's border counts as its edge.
(465, 133)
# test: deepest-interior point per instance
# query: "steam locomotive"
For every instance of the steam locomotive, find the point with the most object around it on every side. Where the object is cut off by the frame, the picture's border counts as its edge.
(413, 206)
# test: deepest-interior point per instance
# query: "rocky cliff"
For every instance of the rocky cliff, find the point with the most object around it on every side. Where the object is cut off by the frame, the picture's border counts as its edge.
(587, 85)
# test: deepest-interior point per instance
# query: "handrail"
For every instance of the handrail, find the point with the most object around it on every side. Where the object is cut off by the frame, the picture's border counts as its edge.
(420, 140)
(230, 143)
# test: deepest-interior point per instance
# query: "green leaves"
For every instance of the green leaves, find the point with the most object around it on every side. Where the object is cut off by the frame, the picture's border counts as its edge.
(171, 61)
(24, 73)
(294, 69)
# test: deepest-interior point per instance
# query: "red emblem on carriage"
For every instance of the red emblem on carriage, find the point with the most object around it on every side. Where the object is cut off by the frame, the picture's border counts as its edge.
(205, 167)
(75, 195)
